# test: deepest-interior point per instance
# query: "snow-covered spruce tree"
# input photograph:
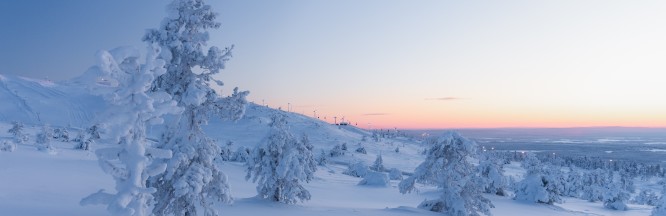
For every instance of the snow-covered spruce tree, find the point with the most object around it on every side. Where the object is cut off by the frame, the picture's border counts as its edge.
(83, 142)
(627, 181)
(132, 107)
(538, 186)
(357, 169)
(556, 179)
(378, 165)
(337, 151)
(242, 154)
(17, 131)
(225, 151)
(7, 146)
(361, 149)
(192, 180)
(61, 134)
(94, 131)
(43, 141)
(660, 207)
(492, 175)
(448, 166)
(64, 135)
(375, 136)
(395, 174)
(17, 128)
(281, 163)
(646, 197)
(322, 160)
(615, 197)
(573, 183)
(593, 185)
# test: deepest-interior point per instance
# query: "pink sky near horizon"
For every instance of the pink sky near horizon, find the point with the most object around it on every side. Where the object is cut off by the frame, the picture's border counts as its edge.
(461, 116)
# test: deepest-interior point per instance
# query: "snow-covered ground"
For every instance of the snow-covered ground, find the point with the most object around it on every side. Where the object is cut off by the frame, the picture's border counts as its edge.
(34, 182)
(37, 183)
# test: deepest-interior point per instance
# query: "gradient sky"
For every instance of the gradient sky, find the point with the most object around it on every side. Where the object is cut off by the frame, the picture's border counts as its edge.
(385, 64)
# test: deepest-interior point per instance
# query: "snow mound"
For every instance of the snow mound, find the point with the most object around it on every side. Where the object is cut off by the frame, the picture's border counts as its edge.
(373, 178)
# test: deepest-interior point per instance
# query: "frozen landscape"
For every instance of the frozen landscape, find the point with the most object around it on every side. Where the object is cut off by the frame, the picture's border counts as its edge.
(152, 131)
(38, 182)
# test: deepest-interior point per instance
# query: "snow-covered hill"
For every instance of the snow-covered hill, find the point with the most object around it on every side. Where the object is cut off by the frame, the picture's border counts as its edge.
(37, 102)
(324, 136)
(37, 183)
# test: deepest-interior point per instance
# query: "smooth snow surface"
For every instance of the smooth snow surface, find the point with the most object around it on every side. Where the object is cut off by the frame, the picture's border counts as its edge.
(37, 102)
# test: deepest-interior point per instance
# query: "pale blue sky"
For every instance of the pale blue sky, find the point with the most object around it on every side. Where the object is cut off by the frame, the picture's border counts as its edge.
(508, 63)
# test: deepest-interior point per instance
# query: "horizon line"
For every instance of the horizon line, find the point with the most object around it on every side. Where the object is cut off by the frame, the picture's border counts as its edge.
(486, 128)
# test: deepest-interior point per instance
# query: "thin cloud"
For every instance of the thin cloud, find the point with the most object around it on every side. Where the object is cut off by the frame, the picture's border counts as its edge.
(375, 114)
(445, 98)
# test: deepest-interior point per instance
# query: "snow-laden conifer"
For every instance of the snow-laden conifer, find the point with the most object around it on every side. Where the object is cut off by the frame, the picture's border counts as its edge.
(448, 166)
(16, 129)
(18, 132)
(573, 183)
(356, 169)
(593, 185)
(395, 174)
(378, 165)
(627, 181)
(131, 159)
(61, 134)
(7, 146)
(281, 163)
(361, 149)
(242, 154)
(492, 175)
(43, 140)
(615, 197)
(660, 207)
(225, 151)
(337, 151)
(94, 131)
(322, 159)
(646, 197)
(84, 142)
(540, 184)
(192, 181)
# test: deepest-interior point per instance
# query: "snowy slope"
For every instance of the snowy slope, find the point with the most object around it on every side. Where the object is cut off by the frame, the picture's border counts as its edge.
(250, 130)
(39, 102)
